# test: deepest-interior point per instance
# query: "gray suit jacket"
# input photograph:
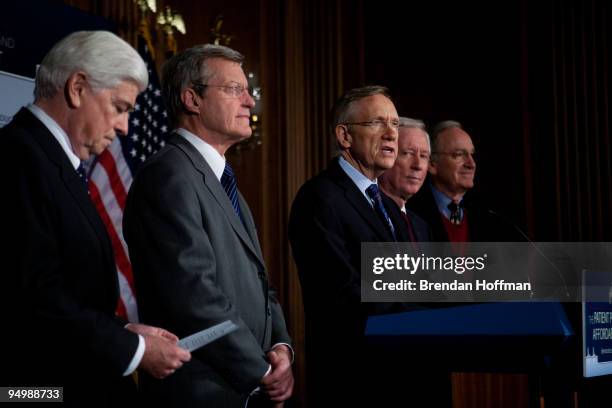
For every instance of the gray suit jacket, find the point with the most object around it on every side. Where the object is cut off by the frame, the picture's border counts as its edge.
(195, 265)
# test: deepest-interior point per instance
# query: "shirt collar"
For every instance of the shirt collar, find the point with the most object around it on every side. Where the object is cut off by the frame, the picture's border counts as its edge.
(361, 181)
(442, 201)
(214, 159)
(58, 133)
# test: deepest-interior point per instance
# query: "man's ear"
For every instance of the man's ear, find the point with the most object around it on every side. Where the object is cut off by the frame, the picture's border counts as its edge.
(433, 167)
(343, 137)
(190, 100)
(75, 87)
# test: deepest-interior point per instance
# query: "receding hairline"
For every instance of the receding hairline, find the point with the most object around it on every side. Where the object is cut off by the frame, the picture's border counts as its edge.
(359, 103)
(211, 64)
(446, 136)
(453, 131)
(406, 128)
(410, 123)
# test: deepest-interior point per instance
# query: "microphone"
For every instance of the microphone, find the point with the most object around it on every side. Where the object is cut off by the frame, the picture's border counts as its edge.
(534, 246)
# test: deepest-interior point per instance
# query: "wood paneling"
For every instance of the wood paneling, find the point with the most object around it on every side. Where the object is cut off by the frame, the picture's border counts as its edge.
(305, 53)
(567, 48)
(490, 390)
(530, 81)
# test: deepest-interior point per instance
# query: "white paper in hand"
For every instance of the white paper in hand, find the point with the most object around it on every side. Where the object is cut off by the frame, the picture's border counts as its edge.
(202, 338)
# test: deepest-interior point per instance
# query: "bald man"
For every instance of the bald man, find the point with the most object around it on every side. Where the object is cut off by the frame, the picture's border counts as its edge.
(442, 202)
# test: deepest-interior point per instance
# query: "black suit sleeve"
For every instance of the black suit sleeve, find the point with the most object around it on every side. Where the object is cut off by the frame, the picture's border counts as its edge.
(318, 241)
(327, 251)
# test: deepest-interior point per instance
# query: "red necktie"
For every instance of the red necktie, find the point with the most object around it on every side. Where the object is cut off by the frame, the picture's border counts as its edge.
(411, 234)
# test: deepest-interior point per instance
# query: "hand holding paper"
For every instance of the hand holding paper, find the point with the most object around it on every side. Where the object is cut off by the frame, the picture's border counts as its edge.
(202, 338)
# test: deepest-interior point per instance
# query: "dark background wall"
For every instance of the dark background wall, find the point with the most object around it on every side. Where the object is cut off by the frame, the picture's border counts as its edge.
(567, 119)
(460, 61)
(528, 79)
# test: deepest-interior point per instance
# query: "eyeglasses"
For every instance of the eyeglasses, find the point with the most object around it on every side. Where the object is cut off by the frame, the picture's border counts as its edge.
(459, 154)
(233, 91)
(377, 124)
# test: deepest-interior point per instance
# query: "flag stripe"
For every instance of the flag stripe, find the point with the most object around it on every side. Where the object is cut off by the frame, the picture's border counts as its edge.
(121, 309)
(107, 161)
(112, 174)
(121, 258)
(120, 164)
(109, 201)
(127, 300)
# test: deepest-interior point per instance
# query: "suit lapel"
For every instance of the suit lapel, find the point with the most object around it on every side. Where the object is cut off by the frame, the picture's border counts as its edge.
(68, 175)
(75, 186)
(401, 228)
(437, 225)
(358, 201)
(216, 190)
(250, 225)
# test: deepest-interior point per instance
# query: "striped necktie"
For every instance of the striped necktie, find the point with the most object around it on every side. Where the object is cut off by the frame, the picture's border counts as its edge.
(228, 181)
(374, 194)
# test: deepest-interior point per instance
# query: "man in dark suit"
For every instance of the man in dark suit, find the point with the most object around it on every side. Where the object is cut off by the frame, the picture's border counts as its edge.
(194, 247)
(332, 215)
(445, 202)
(408, 173)
(60, 285)
(454, 216)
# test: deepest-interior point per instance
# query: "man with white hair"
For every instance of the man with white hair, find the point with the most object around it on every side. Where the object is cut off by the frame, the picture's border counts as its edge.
(408, 173)
(59, 273)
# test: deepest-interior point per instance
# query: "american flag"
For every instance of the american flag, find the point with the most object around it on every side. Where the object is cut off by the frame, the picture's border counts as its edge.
(111, 174)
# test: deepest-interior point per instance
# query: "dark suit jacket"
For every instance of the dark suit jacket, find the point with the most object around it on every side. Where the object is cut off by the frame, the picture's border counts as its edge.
(196, 265)
(329, 220)
(58, 275)
(484, 225)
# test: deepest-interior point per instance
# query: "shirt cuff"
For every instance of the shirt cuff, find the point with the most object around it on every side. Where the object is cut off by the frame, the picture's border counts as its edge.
(256, 390)
(137, 357)
(289, 347)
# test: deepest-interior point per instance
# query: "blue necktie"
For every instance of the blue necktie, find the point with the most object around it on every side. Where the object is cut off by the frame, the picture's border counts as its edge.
(374, 194)
(83, 175)
(228, 181)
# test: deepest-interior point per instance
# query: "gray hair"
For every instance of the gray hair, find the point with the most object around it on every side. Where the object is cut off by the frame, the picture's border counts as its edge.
(105, 58)
(342, 108)
(188, 68)
(439, 128)
(417, 124)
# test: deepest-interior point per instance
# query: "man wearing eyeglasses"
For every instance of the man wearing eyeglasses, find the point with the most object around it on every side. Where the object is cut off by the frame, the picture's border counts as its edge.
(451, 169)
(444, 202)
(194, 247)
(331, 216)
